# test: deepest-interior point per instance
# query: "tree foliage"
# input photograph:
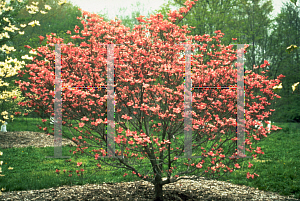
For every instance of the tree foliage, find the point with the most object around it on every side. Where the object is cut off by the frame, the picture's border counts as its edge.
(286, 31)
(58, 20)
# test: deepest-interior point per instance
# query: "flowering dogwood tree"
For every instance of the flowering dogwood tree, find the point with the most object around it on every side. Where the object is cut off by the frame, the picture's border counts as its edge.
(149, 84)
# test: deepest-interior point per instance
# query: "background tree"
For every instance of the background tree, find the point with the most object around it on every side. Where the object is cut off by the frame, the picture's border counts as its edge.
(10, 30)
(246, 21)
(130, 20)
(286, 32)
(292, 47)
(59, 19)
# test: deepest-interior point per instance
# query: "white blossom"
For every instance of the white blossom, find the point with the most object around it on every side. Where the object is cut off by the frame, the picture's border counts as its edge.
(62, 2)
(294, 86)
(33, 23)
(27, 57)
(33, 52)
(43, 12)
(4, 113)
(47, 7)
(6, 19)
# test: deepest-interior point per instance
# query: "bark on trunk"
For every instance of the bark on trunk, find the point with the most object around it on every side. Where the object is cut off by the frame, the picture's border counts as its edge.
(158, 192)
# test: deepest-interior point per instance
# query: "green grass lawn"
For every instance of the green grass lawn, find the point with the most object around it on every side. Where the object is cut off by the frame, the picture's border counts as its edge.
(277, 168)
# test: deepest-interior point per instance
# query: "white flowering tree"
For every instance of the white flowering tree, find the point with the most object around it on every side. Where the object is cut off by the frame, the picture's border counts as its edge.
(9, 67)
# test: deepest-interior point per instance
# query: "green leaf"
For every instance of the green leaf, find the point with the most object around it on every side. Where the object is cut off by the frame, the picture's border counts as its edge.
(294, 2)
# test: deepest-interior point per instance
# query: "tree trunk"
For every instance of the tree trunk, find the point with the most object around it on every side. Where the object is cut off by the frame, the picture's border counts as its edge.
(158, 192)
